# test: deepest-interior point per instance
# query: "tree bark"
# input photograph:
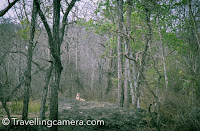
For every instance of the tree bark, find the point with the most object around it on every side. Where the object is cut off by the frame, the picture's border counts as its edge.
(3, 102)
(57, 67)
(120, 42)
(142, 75)
(163, 59)
(44, 95)
(127, 65)
(147, 44)
(55, 42)
(126, 91)
(109, 73)
(29, 64)
(135, 81)
(131, 86)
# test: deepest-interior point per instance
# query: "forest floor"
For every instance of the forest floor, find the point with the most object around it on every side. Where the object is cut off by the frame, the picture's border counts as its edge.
(114, 118)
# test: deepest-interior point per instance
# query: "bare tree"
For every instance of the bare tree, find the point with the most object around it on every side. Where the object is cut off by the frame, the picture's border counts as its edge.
(55, 40)
(29, 63)
(44, 95)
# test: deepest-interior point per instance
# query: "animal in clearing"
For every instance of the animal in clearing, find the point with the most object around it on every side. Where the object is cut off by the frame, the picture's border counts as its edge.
(78, 97)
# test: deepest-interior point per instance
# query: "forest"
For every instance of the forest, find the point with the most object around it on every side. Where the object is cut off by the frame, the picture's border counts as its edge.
(105, 65)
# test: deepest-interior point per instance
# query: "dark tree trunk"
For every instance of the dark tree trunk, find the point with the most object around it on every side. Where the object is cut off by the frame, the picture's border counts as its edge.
(55, 42)
(44, 95)
(29, 65)
(3, 102)
(57, 67)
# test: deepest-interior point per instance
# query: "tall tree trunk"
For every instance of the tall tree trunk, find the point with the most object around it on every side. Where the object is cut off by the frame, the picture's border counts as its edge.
(29, 64)
(55, 42)
(163, 59)
(77, 54)
(127, 65)
(194, 23)
(20, 65)
(44, 95)
(21, 77)
(77, 37)
(109, 75)
(133, 92)
(109, 80)
(3, 102)
(57, 67)
(126, 91)
(92, 78)
(131, 86)
(143, 60)
(120, 61)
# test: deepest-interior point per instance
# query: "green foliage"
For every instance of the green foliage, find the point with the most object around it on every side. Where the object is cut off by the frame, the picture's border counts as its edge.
(173, 42)
(24, 32)
(17, 107)
(34, 106)
(114, 81)
(189, 121)
(110, 44)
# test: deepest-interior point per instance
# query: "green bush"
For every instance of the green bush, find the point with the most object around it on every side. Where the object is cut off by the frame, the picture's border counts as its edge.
(189, 121)
(34, 106)
(17, 107)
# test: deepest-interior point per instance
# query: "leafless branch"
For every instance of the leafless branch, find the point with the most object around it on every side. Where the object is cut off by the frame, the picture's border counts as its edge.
(3, 12)
(26, 55)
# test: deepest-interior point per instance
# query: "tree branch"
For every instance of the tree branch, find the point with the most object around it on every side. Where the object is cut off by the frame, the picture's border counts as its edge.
(141, 73)
(64, 21)
(48, 30)
(3, 12)
(26, 56)
(46, 25)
